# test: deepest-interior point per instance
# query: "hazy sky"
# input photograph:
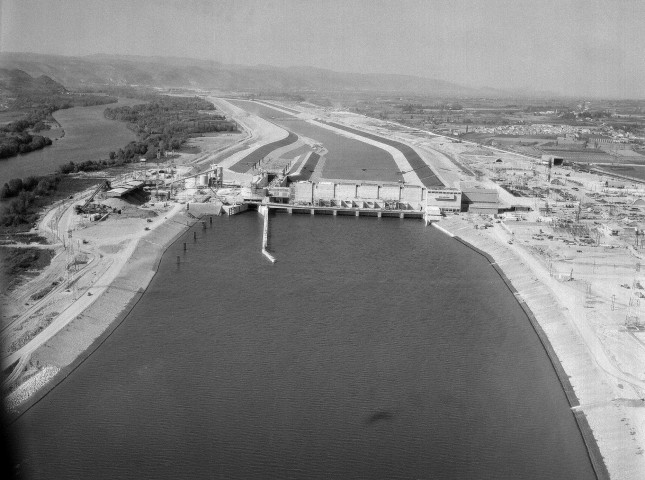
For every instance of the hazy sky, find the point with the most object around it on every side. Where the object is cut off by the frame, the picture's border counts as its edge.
(567, 46)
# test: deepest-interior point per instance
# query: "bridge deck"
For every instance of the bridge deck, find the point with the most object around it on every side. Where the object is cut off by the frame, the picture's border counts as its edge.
(337, 210)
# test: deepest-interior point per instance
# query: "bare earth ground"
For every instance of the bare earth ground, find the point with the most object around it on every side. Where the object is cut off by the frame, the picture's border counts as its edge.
(209, 147)
(103, 265)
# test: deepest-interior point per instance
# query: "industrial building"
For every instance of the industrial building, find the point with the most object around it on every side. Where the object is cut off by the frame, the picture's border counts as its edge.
(480, 200)
(445, 199)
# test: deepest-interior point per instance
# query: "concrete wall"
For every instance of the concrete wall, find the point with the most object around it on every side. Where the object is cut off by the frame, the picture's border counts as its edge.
(390, 192)
(303, 192)
(481, 195)
(483, 209)
(411, 194)
(280, 192)
(325, 191)
(444, 199)
(345, 191)
(370, 192)
(199, 209)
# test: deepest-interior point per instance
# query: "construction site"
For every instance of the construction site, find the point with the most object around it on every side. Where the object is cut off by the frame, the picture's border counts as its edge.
(570, 240)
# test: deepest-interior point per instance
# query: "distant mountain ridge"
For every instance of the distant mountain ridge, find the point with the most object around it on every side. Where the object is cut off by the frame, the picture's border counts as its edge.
(103, 69)
(15, 82)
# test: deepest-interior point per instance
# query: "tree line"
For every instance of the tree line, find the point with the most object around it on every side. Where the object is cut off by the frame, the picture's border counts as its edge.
(166, 123)
(24, 194)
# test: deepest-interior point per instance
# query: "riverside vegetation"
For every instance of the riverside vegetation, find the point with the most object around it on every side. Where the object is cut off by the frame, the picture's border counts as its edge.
(31, 101)
(164, 123)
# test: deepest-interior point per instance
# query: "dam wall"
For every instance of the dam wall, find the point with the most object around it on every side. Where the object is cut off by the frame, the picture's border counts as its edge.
(309, 193)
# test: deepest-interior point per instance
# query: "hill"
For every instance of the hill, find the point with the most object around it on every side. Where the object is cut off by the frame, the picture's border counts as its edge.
(95, 70)
(17, 82)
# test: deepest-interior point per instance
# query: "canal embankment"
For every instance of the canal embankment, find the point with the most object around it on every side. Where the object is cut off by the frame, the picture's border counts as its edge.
(552, 311)
(62, 354)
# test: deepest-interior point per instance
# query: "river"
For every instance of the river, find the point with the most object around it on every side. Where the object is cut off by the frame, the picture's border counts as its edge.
(373, 348)
(88, 136)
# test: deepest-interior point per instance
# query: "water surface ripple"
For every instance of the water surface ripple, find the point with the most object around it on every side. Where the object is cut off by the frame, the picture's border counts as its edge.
(374, 348)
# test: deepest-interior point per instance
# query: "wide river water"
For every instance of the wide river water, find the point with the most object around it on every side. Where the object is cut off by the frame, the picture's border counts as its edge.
(373, 348)
(88, 136)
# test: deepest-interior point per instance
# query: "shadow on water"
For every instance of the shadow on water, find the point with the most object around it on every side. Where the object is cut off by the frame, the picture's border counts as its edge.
(379, 416)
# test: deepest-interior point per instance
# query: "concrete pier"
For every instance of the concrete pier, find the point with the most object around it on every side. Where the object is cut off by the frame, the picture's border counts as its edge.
(265, 238)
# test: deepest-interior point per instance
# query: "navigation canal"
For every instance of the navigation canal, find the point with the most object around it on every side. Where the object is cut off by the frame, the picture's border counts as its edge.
(347, 158)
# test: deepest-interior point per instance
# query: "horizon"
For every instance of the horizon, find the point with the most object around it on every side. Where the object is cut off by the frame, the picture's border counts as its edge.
(503, 93)
(570, 49)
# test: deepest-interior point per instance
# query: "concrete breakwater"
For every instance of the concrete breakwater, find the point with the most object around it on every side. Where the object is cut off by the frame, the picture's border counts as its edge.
(263, 210)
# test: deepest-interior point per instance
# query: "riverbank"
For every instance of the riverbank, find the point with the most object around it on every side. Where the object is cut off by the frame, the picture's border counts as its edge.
(596, 390)
(98, 273)
(430, 377)
(85, 327)
(88, 136)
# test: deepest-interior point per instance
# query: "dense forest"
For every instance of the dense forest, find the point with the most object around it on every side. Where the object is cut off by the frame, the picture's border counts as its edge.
(14, 143)
(25, 193)
(171, 118)
(165, 123)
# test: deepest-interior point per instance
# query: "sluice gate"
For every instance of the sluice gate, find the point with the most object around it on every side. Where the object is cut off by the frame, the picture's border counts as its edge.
(265, 209)
(340, 210)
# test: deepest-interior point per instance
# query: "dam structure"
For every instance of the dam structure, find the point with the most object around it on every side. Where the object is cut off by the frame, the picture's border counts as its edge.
(368, 199)
(337, 170)
(351, 199)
